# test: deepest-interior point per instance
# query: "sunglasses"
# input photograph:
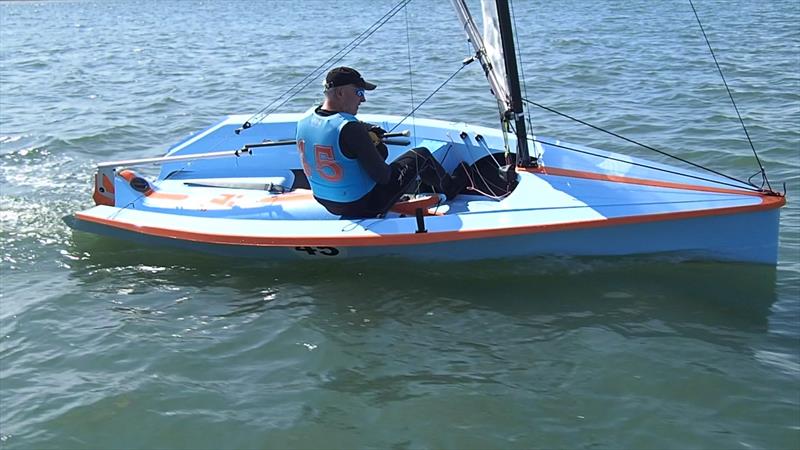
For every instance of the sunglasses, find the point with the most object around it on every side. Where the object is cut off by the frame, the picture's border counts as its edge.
(360, 92)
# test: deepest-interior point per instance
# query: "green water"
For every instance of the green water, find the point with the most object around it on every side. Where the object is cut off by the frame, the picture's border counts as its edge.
(107, 345)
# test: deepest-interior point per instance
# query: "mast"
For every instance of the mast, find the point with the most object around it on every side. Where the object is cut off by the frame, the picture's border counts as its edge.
(496, 53)
(515, 112)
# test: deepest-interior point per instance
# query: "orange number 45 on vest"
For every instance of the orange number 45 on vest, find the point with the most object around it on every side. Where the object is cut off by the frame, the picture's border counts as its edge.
(324, 160)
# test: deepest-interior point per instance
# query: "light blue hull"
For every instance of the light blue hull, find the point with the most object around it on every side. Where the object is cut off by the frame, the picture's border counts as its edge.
(580, 202)
(749, 238)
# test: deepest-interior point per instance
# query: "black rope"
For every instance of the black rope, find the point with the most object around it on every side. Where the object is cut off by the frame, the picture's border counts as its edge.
(308, 79)
(753, 188)
(410, 73)
(750, 179)
(761, 167)
(464, 64)
(637, 143)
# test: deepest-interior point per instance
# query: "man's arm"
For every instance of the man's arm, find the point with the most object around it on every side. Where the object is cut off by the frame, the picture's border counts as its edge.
(356, 143)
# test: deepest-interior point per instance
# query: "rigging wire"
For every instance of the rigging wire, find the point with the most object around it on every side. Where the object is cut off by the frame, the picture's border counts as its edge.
(730, 95)
(637, 143)
(314, 74)
(410, 74)
(435, 91)
(761, 167)
(522, 70)
(752, 187)
(411, 90)
(358, 40)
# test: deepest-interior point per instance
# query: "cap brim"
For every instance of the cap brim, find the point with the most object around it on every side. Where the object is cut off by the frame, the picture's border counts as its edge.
(369, 86)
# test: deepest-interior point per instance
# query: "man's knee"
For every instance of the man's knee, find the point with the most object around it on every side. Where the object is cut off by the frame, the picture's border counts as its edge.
(422, 151)
(415, 157)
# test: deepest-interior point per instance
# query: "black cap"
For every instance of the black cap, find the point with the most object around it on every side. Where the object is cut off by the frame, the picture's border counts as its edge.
(341, 76)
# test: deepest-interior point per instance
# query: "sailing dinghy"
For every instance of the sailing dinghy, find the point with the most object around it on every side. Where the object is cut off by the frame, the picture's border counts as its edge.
(527, 195)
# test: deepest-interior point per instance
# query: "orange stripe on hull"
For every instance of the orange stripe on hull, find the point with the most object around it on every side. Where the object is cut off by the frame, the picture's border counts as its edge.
(411, 238)
(630, 180)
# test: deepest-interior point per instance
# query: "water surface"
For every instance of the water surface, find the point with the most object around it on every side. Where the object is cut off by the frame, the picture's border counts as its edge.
(104, 344)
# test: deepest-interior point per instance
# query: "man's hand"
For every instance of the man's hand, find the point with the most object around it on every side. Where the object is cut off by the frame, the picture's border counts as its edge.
(376, 135)
(376, 129)
(376, 139)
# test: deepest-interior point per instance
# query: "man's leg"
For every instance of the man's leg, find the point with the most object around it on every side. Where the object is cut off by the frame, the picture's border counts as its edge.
(418, 162)
(432, 173)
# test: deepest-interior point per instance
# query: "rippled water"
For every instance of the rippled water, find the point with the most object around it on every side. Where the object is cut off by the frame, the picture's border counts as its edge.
(107, 345)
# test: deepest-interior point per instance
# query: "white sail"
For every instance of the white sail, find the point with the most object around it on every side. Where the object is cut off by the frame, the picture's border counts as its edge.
(488, 47)
(493, 45)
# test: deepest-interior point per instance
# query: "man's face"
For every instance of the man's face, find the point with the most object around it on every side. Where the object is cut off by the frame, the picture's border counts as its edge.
(352, 97)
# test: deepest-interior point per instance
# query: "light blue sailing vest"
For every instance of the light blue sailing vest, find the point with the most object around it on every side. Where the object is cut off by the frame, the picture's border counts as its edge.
(332, 175)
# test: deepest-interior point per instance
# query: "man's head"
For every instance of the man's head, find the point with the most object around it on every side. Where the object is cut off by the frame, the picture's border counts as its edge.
(342, 76)
(345, 90)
